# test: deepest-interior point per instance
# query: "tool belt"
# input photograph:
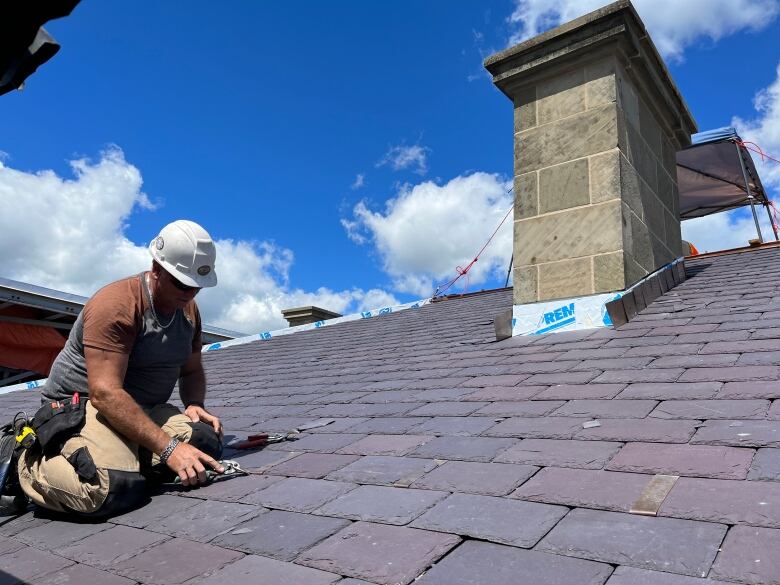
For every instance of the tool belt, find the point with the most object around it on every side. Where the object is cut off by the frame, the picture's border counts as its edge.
(56, 422)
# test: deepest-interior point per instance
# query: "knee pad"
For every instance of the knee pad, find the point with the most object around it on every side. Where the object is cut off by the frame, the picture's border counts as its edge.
(205, 438)
(126, 491)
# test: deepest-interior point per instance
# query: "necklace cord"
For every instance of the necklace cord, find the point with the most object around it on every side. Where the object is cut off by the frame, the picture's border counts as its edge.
(151, 304)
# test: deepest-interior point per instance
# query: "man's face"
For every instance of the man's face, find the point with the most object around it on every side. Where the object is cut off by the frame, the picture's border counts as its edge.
(173, 291)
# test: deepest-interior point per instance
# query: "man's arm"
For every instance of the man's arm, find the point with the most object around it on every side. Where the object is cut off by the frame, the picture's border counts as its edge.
(105, 374)
(192, 391)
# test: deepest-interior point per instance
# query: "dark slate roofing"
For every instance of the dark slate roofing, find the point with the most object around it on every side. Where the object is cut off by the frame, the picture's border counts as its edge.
(465, 460)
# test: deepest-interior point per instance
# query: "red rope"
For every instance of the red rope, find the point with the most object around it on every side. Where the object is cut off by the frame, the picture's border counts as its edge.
(757, 150)
(464, 271)
(774, 216)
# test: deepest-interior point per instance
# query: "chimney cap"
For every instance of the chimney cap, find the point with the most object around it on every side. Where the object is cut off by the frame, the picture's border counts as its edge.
(308, 314)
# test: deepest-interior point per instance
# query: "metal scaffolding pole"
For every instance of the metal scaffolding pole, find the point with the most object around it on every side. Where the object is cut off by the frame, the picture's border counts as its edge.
(751, 199)
(771, 221)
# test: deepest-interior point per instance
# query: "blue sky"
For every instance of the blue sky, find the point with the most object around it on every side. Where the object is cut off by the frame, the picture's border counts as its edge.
(285, 129)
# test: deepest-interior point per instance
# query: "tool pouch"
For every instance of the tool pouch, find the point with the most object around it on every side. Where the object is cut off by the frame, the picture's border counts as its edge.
(56, 423)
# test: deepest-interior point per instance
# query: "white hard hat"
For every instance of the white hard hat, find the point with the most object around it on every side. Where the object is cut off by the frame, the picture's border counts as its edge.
(187, 252)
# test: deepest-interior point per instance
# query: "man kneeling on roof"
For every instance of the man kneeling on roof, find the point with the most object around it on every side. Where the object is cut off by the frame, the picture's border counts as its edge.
(132, 342)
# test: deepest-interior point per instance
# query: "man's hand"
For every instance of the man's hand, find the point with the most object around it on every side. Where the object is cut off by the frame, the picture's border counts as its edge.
(197, 413)
(187, 462)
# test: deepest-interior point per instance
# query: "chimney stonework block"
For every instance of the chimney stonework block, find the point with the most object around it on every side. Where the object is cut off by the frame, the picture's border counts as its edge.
(598, 120)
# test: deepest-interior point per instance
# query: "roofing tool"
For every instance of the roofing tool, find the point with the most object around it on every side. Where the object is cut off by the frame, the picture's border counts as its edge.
(323, 422)
(259, 440)
(26, 437)
(262, 439)
(23, 432)
(232, 469)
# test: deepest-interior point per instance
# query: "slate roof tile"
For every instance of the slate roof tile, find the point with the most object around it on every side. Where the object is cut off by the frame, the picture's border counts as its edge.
(388, 425)
(447, 408)
(379, 470)
(688, 460)
(606, 408)
(631, 576)
(520, 408)
(311, 465)
(379, 553)
(765, 465)
(749, 390)
(12, 526)
(679, 546)
(81, 575)
(561, 453)
(483, 562)
(463, 448)
(685, 388)
(105, 549)
(279, 534)
(262, 460)
(385, 445)
(205, 520)
(739, 433)
(297, 494)
(496, 519)
(504, 393)
(711, 409)
(580, 392)
(582, 488)
(27, 563)
(175, 561)
(537, 428)
(490, 479)
(388, 505)
(678, 391)
(157, 509)
(696, 361)
(455, 425)
(265, 571)
(53, 535)
(749, 555)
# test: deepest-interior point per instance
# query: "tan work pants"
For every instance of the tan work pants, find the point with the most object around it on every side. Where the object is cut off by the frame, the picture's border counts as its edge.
(52, 482)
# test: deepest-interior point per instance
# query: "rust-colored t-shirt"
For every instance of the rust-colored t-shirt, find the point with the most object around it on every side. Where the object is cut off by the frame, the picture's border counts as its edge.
(119, 318)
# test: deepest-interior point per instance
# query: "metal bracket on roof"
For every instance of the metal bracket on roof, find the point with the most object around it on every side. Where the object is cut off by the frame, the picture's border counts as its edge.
(503, 325)
(654, 494)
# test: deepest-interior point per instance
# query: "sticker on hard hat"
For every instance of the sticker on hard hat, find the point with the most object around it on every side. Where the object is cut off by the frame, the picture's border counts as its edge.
(204, 270)
(160, 243)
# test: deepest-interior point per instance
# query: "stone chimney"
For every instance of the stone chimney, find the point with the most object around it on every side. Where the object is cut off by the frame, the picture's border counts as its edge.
(305, 315)
(598, 120)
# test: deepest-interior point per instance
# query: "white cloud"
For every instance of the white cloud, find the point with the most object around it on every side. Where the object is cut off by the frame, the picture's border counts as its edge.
(723, 231)
(764, 130)
(360, 180)
(673, 24)
(429, 229)
(69, 234)
(403, 157)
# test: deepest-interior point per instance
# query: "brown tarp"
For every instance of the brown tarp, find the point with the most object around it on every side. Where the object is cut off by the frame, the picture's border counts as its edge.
(711, 174)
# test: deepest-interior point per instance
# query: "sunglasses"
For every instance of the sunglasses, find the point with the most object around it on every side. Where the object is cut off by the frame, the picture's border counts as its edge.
(181, 286)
